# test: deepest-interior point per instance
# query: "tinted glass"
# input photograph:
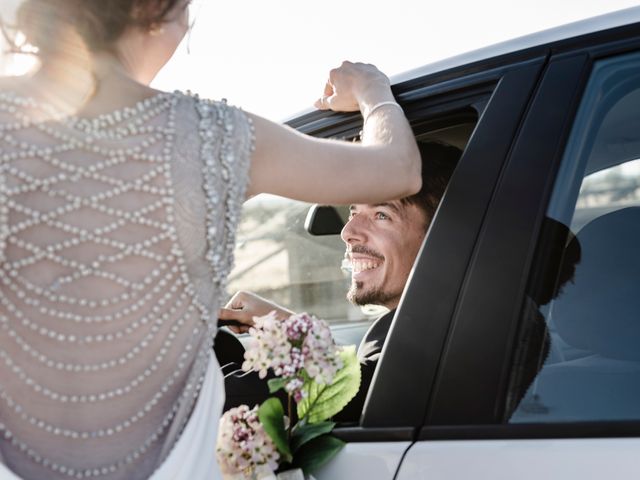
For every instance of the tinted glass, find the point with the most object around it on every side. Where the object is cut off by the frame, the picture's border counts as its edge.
(578, 357)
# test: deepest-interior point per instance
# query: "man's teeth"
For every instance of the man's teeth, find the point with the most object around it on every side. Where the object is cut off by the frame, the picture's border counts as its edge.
(362, 265)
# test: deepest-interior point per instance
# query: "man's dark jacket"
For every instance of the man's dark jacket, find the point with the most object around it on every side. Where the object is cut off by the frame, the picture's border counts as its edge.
(377, 333)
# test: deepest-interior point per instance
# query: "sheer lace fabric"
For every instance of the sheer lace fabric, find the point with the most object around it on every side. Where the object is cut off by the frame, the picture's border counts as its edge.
(116, 236)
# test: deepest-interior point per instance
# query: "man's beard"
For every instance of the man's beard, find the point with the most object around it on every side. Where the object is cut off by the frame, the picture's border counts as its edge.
(373, 296)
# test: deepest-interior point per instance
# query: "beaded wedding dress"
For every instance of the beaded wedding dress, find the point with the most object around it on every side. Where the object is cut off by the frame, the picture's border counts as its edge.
(116, 238)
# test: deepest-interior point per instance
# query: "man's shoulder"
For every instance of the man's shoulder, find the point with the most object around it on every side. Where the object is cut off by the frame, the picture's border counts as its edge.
(372, 342)
(380, 328)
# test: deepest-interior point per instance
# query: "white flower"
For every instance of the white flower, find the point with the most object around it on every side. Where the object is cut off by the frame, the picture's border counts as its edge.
(269, 347)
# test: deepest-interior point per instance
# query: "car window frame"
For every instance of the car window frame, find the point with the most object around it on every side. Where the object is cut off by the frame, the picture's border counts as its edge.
(500, 90)
(407, 371)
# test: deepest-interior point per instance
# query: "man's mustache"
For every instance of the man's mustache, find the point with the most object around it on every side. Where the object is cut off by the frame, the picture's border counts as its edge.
(364, 251)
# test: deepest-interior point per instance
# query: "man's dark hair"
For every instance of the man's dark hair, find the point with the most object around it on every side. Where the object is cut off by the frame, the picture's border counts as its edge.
(438, 163)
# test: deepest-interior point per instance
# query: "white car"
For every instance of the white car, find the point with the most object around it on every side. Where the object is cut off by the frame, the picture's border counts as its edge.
(515, 352)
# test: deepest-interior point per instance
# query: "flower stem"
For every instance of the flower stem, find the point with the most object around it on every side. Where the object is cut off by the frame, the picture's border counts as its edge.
(289, 411)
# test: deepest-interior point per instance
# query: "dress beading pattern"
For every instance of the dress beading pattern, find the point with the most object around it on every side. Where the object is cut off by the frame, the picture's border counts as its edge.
(104, 337)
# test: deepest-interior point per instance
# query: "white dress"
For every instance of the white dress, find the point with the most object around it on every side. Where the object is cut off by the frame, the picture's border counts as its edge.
(116, 238)
(191, 456)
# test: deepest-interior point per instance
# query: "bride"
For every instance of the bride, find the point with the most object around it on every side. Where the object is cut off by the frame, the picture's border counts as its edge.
(118, 208)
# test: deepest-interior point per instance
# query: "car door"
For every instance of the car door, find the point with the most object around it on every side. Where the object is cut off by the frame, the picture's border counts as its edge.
(495, 95)
(539, 376)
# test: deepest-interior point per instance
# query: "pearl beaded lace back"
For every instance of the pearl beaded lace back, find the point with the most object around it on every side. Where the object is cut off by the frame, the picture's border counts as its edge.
(116, 237)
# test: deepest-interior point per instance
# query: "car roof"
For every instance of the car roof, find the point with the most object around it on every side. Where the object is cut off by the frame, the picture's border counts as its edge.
(571, 30)
(599, 23)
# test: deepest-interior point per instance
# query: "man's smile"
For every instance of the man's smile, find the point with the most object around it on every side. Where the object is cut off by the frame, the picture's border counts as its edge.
(360, 265)
(363, 259)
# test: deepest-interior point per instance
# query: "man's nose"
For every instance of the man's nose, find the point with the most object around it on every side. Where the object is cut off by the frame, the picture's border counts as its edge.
(353, 231)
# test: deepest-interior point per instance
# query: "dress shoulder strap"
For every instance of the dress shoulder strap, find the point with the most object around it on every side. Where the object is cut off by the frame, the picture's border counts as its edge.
(227, 141)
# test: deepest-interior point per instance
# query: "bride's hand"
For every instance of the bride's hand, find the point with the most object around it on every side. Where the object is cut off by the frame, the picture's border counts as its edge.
(354, 86)
(244, 305)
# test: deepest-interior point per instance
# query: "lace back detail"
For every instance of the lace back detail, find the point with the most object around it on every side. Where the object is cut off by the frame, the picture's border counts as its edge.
(103, 340)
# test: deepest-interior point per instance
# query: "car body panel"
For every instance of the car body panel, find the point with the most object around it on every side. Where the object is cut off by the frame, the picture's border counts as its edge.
(371, 461)
(548, 37)
(562, 459)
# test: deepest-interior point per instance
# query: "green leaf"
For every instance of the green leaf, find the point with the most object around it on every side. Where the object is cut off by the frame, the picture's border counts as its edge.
(304, 433)
(324, 401)
(271, 415)
(276, 384)
(317, 452)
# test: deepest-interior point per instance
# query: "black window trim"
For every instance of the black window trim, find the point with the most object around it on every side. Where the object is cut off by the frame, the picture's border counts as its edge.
(398, 395)
(522, 431)
(450, 101)
(448, 413)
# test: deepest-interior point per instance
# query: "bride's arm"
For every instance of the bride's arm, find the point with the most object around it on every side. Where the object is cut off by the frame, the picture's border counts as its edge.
(384, 166)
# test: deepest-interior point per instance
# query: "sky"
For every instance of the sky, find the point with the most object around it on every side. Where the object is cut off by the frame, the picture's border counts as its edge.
(272, 57)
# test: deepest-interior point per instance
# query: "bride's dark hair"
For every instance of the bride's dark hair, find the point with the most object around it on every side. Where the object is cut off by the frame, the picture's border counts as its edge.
(99, 23)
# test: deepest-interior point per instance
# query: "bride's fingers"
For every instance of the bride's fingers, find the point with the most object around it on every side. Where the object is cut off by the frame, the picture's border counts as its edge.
(240, 316)
(238, 321)
(328, 88)
(323, 103)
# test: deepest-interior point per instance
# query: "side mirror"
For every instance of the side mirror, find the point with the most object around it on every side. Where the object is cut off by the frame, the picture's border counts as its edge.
(323, 220)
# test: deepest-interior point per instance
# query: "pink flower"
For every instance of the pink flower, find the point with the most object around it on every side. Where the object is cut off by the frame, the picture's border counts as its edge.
(301, 343)
(322, 361)
(243, 445)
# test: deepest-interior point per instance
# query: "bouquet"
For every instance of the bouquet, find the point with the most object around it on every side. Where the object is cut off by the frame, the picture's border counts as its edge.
(319, 379)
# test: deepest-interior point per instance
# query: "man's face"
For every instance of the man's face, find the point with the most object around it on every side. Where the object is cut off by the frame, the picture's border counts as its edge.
(382, 243)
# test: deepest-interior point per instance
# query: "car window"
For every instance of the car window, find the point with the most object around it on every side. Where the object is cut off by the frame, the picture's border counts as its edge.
(278, 259)
(578, 357)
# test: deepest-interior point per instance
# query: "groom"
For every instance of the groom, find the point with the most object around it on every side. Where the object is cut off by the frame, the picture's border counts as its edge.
(382, 241)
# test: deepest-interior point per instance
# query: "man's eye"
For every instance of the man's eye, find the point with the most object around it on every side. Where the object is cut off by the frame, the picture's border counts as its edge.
(382, 216)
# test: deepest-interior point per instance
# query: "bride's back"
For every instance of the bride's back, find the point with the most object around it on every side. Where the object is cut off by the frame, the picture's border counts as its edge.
(114, 259)
(118, 207)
